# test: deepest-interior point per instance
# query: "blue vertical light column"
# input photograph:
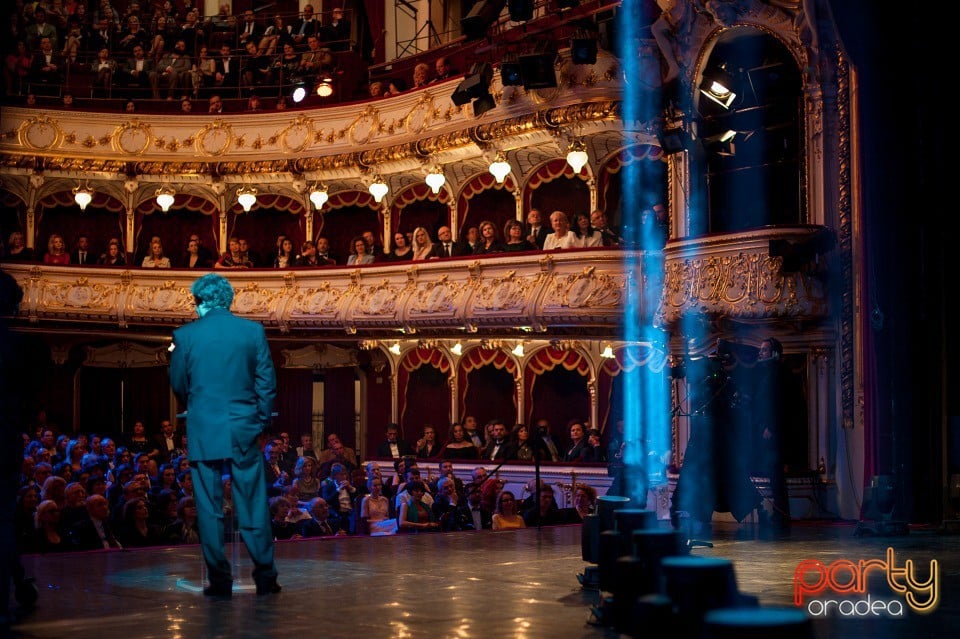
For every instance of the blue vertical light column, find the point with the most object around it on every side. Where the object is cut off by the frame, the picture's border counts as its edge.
(646, 410)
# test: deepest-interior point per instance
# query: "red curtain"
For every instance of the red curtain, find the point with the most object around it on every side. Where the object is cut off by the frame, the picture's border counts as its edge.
(294, 404)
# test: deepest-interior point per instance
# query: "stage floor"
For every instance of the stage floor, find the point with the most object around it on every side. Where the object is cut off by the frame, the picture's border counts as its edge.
(520, 584)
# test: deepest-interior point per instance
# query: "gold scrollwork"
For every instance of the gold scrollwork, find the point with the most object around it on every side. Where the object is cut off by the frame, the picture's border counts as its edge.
(298, 135)
(40, 132)
(365, 126)
(215, 138)
(132, 137)
(421, 115)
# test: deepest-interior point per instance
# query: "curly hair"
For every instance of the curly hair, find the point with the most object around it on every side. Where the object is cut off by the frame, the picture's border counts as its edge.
(213, 290)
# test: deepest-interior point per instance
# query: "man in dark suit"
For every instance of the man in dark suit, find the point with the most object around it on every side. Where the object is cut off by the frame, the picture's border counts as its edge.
(94, 531)
(394, 446)
(445, 246)
(609, 235)
(336, 33)
(82, 255)
(537, 231)
(497, 446)
(479, 514)
(221, 369)
(138, 70)
(248, 29)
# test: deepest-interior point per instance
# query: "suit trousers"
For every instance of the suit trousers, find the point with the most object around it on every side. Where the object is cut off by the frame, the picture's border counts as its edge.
(250, 503)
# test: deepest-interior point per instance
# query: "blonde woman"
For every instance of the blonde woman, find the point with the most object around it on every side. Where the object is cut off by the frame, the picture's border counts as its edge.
(56, 251)
(422, 245)
(156, 258)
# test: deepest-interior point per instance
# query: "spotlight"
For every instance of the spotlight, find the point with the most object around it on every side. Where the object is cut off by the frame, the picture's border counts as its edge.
(474, 26)
(538, 70)
(299, 92)
(583, 47)
(672, 140)
(83, 195)
(165, 196)
(247, 197)
(500, 167)
(378, 188)
(520, 10)
(319, 196)
(325, 86)
(717, 86)
(476, 84)
(510, 73)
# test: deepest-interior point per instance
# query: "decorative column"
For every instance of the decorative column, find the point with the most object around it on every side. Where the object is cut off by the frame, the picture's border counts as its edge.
(818, 408)
(387, 230)
(36, 181)
(130, 189)
(594, 196)
(814, 104)
(594, 408)
(308, 223)
(454, 395)
(518, 201)
(518, 396)
(220, 188)
(394, 400)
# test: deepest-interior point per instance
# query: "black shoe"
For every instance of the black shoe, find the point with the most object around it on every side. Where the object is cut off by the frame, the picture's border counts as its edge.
(219, 590)
(268, 587)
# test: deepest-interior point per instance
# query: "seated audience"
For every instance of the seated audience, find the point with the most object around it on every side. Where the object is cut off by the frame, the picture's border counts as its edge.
(562, 237)
(358, 252)
(506, 516)
(156, 258)
(17, 249)
(56, 251)
(375, 512)
(414, 514)
(422, 245)
(402, 250)
(321, 523)
(514, 239)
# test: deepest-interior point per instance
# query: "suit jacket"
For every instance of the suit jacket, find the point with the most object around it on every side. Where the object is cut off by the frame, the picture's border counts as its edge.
(131, 66)
(383, 450)
(231, 78)
(456, 248)
(502, 452)
(84, 536)
(486, 517)
(542, 234)
(242, 35)
(222, 371)
(91, 258)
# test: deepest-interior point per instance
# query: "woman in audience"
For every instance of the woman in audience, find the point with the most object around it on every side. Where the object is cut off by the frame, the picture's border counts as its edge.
(401, 249)
(138, 442)
(17, 250)
(114, 256)
(415, 515)
(505, 516)
(358, 252)
(47, 536)
(274, 37)
(205, 73)
(184, 530)
(289, 64)
(515, 241)
(193, 258)
(562, 237)
(156, 258)
(167, 480)
(585, 500)
(375, 519)
(283, 525)
(233, 257)
(286, 257)
(54, 489)
(56, 251)
(305, 471)
(489, 241)
(579, 449)
(458, 446)
(519, 448)
(587, 236)
(28, 498)
(421, 75)
(136, 530)
(422, 246)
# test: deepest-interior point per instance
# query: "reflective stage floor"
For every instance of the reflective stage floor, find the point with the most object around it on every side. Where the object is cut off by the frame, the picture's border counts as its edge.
(516, 584)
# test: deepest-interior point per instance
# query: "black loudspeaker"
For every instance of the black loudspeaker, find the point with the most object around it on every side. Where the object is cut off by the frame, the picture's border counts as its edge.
(583, 50)
(475, 85)
(520, 10)
(538, 70)
(672, 140)
(510, 73)
(481, 16)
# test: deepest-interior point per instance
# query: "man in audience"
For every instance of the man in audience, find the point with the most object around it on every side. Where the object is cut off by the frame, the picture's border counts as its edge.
(496, 448)
(307, 26)
(39, 30)
(542, 428)
(394, 446)
(82, 255)
(137, 72)
(481, 516)
(374, 247)
(443, 70)
(227, 73)
(47, 67)
(165, 442)
(609, 235)
(94, 532)
(173, 72)
(336, 33)
(473, 431)
(536, 230)
(305, 449)
(339, 493)
(445, 246)
(337, 451)
(324, 257)
(249, 30)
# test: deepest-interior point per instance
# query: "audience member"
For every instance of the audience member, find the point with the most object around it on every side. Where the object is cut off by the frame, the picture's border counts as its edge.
(56, 251)
(562, 237)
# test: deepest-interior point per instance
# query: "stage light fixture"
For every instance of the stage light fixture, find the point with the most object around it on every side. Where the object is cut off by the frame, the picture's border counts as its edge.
(165, 196)
(475, 86)
(247, 197)
(583, 47)
(378, 188)
(538, 69)
(520, 10)
(483, 104)
(510, 73)
(717, 86)
(319, 196)
(672, 140)
(299, 92)
(483, 13)
(325, 86)
(83, 195)
(500, 168)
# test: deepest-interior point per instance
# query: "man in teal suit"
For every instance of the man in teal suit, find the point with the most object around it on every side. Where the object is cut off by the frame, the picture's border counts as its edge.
(221, 369)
